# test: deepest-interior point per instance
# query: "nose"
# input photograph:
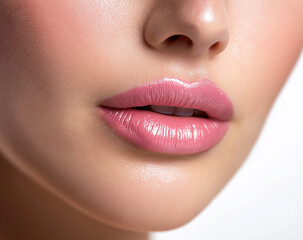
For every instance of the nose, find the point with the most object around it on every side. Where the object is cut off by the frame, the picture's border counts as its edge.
(188, 27)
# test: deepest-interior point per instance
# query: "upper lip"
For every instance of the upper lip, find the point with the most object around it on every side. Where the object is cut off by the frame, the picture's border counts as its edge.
(203, 95)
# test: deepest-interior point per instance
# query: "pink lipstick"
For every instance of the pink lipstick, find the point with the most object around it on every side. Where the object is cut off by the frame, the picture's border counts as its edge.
(170, 115)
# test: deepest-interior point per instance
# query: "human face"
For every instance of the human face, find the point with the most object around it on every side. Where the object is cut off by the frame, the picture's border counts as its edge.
(59, 59)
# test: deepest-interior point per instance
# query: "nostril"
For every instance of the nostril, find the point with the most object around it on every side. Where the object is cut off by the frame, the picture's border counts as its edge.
(215, 46)
(179, 40)
(173, 38)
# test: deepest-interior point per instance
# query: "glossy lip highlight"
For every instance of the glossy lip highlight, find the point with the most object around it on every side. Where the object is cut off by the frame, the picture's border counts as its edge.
(170, 134)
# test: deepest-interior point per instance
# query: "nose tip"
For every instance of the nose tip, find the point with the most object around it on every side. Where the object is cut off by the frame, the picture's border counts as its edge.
(192, 27)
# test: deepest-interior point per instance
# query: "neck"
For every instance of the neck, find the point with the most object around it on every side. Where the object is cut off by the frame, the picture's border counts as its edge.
(30, 212)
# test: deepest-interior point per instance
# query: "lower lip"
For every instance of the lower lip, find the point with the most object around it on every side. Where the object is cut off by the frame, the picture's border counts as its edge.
(165, 134)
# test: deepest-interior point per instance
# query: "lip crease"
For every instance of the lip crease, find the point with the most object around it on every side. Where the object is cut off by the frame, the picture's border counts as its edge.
(170, 134)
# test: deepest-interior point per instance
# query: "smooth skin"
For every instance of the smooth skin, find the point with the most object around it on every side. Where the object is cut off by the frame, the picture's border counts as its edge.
(64, 174)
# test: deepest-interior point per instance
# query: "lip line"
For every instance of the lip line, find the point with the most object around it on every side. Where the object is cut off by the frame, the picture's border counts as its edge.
(203, 95)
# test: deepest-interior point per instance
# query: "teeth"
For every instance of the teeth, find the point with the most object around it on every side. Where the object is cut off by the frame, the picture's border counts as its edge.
(176, 111)
(162, 109)
(183, 112)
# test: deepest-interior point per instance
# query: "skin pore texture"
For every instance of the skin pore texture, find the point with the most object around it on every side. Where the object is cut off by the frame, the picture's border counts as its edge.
(64, 174)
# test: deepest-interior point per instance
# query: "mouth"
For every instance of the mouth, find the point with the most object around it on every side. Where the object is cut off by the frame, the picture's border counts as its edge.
(170, 116)
(174, 111)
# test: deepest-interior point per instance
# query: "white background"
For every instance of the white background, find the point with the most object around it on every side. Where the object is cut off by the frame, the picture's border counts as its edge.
(264, 200)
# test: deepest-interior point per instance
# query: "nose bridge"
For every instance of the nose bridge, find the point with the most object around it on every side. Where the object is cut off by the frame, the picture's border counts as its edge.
(196, 26)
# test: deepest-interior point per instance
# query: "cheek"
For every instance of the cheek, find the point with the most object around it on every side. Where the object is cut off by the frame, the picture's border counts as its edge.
(77, 39)
(49, 42)
(265, 43)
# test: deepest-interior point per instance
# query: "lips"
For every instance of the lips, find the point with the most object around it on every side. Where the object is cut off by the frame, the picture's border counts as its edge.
(170, 115)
